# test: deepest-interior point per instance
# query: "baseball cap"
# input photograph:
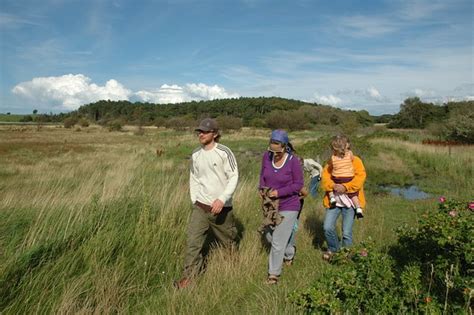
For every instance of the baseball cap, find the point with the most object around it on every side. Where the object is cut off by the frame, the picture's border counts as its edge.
(207, 124)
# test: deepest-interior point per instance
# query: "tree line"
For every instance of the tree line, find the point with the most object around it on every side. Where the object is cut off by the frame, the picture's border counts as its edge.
(450, 121)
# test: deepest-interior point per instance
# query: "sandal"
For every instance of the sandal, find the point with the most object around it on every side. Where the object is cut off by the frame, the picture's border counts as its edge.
(272, 279)
(288, 262)
(328, 255)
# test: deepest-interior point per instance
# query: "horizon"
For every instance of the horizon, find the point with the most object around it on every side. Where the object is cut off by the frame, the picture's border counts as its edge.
(363, 55)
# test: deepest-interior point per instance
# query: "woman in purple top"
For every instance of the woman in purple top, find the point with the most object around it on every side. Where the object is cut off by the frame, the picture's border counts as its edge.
(281, 171)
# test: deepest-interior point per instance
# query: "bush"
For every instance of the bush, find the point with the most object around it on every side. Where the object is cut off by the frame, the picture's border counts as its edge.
(83, 122)
(70, 122)
(431, 272)
(115, 125)
(442, 245)
(288, 120)
(26, 118)
(361, 281)
(180, 123)
(229, 123)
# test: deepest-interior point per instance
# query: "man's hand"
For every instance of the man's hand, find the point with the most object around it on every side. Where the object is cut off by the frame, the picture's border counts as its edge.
(217, 206)
(339, 188)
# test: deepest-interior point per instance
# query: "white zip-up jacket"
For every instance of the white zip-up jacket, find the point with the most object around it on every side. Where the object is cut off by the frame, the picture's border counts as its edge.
(214, 175)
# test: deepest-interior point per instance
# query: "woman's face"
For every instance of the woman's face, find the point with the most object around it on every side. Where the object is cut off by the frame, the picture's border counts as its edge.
(277, 149)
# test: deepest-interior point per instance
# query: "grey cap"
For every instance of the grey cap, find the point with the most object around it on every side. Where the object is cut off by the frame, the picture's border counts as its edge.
(207, 124)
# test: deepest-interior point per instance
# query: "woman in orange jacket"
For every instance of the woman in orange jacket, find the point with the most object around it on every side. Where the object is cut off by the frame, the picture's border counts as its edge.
(343, 205)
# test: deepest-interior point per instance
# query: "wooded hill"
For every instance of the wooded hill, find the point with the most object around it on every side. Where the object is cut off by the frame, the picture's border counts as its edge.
(256, 112)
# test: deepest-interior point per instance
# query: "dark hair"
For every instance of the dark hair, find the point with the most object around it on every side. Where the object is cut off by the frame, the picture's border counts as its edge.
(218, 135)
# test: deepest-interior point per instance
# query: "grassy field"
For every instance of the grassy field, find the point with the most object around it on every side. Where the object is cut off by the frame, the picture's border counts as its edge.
(11, 118)
(93, 221)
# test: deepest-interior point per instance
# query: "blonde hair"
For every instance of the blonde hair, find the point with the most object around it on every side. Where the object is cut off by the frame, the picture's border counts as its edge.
(340, 144)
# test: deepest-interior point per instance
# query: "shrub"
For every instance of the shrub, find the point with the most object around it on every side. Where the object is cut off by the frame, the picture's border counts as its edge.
(115, 125)
(180, 123)
(229, 123)
(26, 118)
(159, 122)
(430, 273)
(83, 122)
(361, 281)
(442, 245)
(257, 123)
(70, 122)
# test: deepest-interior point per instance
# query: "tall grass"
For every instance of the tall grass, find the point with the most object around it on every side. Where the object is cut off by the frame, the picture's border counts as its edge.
(94, 222)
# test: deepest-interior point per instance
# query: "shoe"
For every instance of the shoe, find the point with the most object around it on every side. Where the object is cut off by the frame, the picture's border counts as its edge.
(183, 283)
(288, 262)
(359, 213)
(327, 256)
(272, 279)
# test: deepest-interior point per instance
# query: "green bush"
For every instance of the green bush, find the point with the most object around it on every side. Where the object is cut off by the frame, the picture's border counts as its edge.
(26, 118)
(180, 123)
(443, 246)
(115, 125)
(361, 281)
(229, 123)
(83, 122)
(431, 270)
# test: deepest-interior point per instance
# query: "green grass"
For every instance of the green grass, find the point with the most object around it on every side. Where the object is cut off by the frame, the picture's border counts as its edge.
(12, 117)
(95, 221)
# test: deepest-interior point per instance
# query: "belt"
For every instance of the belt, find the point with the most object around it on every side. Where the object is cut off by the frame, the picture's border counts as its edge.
(208, 208)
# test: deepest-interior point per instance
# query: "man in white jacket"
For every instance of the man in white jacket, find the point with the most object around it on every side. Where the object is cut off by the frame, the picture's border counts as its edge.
(213, 179)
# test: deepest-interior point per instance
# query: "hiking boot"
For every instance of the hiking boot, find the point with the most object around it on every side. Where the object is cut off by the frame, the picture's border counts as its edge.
(183, 283)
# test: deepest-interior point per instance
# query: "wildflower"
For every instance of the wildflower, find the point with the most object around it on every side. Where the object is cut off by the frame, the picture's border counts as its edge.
(442, 199)
(364, 252)
(453, 213)
(471, 206)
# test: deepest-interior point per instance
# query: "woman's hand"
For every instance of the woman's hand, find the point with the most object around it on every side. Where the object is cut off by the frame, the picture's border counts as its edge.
(339, 188)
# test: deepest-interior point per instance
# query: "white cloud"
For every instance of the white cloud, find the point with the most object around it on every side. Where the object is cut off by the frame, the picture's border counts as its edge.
(366, 26)
(326, 99)
(464, 92)
(70, 91)
(374, 93)
(177, 94)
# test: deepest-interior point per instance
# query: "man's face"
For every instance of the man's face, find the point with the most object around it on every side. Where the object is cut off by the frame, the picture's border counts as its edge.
(205, 137)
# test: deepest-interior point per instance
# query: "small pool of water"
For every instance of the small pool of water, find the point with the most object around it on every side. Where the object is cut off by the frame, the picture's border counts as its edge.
(409, 193)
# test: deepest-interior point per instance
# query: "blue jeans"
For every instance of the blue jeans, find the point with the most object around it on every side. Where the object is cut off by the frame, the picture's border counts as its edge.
(330, 227)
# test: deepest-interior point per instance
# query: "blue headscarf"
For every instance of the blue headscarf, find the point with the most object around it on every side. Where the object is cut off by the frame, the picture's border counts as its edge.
(281, 136)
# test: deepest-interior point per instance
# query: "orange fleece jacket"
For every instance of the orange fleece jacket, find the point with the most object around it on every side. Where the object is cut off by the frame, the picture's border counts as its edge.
(356, 184)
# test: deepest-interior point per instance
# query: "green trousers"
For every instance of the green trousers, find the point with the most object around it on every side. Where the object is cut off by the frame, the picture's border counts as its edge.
(200, 223)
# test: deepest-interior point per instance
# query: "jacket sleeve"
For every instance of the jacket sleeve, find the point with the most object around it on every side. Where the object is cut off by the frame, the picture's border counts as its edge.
(327, 184)
(232, 173)
(193, 181)
(357, 183)
(297, 183)
(312, 167)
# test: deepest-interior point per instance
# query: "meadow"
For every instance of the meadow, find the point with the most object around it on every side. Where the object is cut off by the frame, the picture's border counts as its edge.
(93, 221)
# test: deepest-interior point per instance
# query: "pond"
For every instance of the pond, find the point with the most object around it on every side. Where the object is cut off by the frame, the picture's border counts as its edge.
(410, 192)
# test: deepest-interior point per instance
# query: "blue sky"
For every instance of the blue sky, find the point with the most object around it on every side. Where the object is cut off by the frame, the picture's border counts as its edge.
(56, 55)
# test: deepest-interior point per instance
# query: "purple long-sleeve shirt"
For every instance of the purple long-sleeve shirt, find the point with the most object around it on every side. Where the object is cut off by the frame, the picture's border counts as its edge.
(287, 180)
